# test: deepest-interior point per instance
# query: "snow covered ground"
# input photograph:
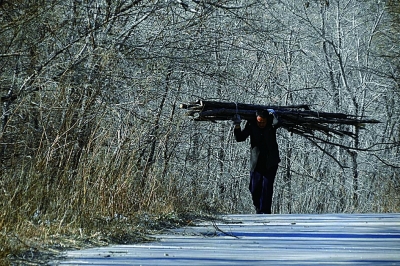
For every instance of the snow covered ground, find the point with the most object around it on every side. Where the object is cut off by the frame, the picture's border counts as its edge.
(327, 239)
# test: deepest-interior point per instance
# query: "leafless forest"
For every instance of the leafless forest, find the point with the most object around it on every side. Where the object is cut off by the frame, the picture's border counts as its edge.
(90, 92)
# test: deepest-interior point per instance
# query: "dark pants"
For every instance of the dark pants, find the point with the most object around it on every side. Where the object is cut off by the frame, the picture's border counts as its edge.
(261, 188)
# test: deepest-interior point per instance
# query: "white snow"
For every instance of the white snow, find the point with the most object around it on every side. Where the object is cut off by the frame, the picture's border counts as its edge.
(327, 239)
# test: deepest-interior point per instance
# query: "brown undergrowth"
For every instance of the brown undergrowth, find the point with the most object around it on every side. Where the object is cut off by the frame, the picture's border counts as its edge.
(38, 244)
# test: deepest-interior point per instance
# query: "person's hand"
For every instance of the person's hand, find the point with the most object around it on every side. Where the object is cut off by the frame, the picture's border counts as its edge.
(275, 119)
(236, 120)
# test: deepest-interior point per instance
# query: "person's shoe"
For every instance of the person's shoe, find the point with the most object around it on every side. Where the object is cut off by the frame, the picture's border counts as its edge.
(258, 211)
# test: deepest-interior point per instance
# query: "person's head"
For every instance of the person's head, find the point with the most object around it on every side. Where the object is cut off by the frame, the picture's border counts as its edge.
(262, 118)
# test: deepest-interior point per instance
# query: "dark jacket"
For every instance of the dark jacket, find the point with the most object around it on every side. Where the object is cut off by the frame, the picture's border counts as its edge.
(264, 148)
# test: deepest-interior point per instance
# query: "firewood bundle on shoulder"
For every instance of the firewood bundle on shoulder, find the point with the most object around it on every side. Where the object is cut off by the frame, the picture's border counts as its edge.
(299, 119)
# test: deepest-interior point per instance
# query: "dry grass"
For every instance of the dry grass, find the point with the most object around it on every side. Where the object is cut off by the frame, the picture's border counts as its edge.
(47, 211)
(65, 189)
(40, 243)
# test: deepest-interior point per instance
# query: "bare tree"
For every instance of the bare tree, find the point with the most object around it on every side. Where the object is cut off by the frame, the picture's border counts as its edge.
(89, 92)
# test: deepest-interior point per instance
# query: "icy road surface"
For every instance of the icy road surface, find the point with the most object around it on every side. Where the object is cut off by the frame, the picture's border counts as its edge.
(328, 239)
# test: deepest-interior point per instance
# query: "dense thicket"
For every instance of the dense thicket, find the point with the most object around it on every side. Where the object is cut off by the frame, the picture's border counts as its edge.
(90, 125)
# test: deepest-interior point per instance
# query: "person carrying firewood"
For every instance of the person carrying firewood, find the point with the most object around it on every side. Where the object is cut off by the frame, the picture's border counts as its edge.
(264, 156)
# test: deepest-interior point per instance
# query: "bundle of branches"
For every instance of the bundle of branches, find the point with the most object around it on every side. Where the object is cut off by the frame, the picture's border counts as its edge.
(299, 119)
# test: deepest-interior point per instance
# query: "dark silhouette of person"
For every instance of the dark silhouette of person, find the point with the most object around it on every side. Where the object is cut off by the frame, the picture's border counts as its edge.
(264, 155)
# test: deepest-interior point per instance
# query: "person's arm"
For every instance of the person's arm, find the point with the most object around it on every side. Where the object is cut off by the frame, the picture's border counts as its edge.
(242, 135)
